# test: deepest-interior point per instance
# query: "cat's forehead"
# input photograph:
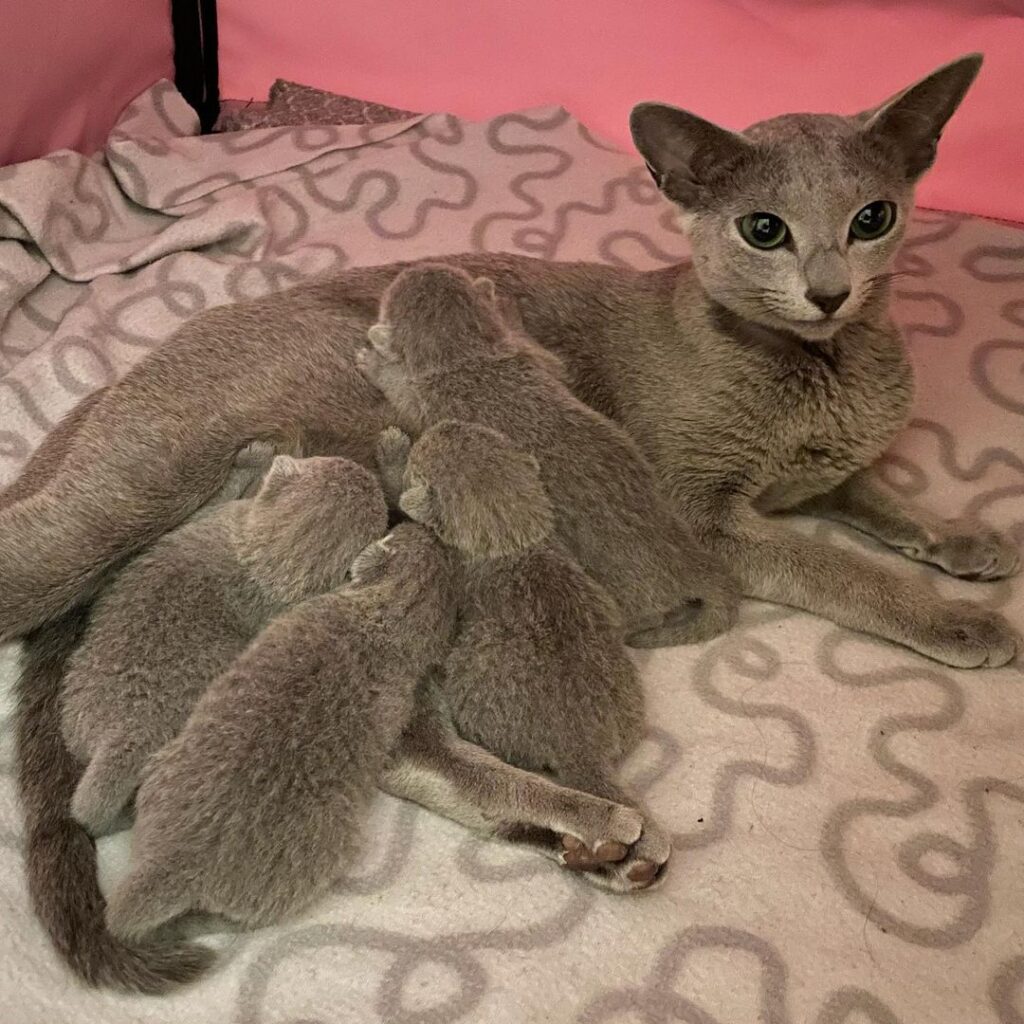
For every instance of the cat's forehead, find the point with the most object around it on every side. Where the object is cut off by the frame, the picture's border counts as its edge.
(811, 166)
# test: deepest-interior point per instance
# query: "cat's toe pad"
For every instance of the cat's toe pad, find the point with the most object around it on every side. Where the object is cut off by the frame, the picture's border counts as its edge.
(620, 867)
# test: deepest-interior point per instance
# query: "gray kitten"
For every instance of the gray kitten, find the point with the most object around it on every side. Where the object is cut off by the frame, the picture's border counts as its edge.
(442, 351)
(538, 674)
(716, 367)
(181, 612)
(252, 809)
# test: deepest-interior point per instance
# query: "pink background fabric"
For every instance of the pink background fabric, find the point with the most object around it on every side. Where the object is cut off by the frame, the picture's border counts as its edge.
(735, 61)
(70, 67)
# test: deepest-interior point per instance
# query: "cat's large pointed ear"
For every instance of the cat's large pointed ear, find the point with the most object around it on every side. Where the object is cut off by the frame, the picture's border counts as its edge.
(912, 120)
(680, 148)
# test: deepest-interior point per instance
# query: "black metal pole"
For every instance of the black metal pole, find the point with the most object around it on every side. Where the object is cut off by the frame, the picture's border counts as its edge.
(194, 24)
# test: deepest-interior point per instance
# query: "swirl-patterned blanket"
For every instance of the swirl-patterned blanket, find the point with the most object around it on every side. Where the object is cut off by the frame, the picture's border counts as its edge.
(848, 817)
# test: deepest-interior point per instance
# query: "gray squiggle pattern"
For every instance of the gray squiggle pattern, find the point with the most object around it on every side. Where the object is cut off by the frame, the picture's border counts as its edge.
(846, 815)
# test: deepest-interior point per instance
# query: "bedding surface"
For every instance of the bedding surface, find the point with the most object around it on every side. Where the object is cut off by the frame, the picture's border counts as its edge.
(848, 817)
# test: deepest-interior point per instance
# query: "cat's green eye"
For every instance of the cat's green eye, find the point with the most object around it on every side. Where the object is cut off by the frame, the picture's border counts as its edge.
(873, 221)
(763, 230)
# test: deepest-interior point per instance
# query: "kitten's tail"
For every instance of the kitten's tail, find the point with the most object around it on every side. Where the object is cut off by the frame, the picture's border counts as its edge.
(60, 855)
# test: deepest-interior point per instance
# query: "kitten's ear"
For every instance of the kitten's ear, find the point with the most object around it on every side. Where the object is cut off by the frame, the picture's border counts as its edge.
(420, 504)
(484, 287)
(914, 118)
(381, 338)
(371, 562)
(283, 470)
(679, 147)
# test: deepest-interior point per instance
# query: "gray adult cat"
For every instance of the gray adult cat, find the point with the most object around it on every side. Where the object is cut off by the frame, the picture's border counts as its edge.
(745, 394)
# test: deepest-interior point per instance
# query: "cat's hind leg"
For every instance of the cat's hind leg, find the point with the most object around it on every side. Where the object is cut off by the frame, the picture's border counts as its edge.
(149, 897)
(434, 767)
(609, 841)
(391, 456)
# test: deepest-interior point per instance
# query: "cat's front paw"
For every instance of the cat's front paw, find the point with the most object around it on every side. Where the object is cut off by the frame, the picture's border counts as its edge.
(965, 635)
(973, 552)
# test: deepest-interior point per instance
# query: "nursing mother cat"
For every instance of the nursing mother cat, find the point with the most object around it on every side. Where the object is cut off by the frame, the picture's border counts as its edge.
(763, 376)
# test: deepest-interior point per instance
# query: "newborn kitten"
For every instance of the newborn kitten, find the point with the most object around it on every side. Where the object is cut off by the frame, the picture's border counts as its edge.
(181, 612)
(442, 351)
(538, 675)
(252, 810)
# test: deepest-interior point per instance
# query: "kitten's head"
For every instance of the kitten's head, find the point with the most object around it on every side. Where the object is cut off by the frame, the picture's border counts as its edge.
(301, 532)
(794, 222)
(477, 491)
(433, 315)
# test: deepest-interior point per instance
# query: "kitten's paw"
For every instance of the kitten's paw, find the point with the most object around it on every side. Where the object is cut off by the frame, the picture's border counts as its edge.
(973, 552)
(641, 865)
(369, 362)
(965, 635)
(392, 454)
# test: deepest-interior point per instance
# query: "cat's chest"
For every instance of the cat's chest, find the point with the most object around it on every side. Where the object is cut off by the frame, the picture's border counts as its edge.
(826, 425)
(771, 430)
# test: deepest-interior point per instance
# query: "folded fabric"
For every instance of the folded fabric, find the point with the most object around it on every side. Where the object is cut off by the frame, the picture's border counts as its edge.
(290, 103)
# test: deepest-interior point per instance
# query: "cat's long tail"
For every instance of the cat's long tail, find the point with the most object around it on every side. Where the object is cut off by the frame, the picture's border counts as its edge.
(60, 855)
(60, 858)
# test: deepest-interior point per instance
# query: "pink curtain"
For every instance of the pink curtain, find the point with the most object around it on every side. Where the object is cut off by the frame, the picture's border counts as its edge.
(70, 66)
(732, 60)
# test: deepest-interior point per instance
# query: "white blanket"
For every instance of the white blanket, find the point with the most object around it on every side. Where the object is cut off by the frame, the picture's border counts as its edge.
(847, 816)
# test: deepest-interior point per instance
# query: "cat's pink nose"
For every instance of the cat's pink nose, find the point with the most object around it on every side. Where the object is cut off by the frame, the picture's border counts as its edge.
(828, 303)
